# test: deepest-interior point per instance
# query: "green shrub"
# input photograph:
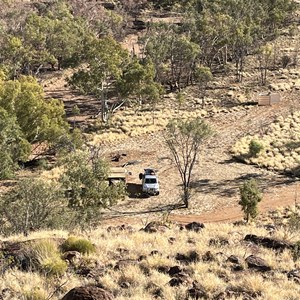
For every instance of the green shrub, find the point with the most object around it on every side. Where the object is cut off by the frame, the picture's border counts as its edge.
(250, 196)
(254, 148)
(46, 258)
(32, 205)
(78, 244)
(296, 251)
(294, 223)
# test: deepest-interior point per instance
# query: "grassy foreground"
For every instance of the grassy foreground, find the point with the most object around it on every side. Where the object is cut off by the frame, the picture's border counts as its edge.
(172, 262)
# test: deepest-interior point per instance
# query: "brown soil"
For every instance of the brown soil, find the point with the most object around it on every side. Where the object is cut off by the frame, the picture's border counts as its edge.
(216, 177)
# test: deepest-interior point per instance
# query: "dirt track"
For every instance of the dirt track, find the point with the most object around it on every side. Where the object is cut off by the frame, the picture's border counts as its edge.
(216, 178)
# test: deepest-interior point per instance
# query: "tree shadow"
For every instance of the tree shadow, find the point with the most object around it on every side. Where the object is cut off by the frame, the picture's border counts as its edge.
(156, 209)
(230, 188)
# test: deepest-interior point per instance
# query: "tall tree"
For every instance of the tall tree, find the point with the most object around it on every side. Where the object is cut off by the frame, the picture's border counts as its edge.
(39, 120)
(105, 59)
(137, 82)
(184, 139)
(13, 145)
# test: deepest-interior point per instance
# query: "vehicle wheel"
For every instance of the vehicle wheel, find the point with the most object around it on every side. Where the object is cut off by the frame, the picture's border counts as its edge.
(157, 194)
(141, 176)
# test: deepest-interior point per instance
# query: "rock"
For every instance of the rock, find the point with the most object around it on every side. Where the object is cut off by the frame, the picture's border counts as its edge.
(197, 292)
(91, 272)
(234, 259)
(257, 263)
(191, 241)
(125, 285)
(88, 293)
(268, 242)
(230, 93)
(72, 256)
(237, 264)
(163, 269)
(171, 240)
(179, 279)
(109, 5)
(294, 275)
(218, 242)
(122, 251)
(155, 252)
(142, 257)
(194, 226)
(237, 293)
(139, 24)
(208, 256)
(154, 226)
(123, 263)
(174, 270)
(175, 281)
(155, 290)
(191, 257)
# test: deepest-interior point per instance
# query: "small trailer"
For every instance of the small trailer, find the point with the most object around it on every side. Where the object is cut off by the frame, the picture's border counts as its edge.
(116, 175)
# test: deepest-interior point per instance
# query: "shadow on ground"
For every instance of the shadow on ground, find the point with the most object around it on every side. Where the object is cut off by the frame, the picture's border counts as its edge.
(230, 188)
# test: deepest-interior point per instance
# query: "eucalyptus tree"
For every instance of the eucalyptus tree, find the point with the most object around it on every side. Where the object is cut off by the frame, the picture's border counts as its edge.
(105, 59)
(184, 140)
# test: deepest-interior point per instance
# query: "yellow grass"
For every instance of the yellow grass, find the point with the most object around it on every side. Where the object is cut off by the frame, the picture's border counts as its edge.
(215, 276)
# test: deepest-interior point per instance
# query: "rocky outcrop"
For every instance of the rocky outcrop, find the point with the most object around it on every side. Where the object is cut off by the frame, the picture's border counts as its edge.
(194, 226)
(88, 293)
(257, 263)
(153, 227)
(267, 242)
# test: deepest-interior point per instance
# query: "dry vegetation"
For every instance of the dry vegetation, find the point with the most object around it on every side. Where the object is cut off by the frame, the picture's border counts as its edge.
(134, 264)
(171, 262)
(280, 145)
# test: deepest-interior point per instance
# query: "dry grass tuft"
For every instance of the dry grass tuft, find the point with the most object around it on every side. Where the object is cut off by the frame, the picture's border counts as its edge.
(147, 258)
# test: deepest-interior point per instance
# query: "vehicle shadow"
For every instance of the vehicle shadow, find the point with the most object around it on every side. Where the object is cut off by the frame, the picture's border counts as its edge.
(134, 190)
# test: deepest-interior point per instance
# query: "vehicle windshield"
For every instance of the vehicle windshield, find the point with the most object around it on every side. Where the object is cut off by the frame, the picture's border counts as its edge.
(150, 180)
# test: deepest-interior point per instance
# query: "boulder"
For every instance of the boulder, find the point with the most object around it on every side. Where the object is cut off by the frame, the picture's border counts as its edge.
(88, 293)
(234, 259)
(174, 271)
(194, 226)
(268, 242)
(154, 226)
(257, 263)
(188, 258)
(179, 279)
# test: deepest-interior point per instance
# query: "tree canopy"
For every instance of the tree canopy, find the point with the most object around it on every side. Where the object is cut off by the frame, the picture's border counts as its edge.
(26, 118)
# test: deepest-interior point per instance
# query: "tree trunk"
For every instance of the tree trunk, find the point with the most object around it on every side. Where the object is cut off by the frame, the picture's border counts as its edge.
(186, 197)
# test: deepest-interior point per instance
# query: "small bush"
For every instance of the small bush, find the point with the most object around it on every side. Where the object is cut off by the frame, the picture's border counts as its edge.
(296, 251)
(294, 223)
(250, 196)
(254, 148)
(46, 258)
(31, 205)
(77, 244)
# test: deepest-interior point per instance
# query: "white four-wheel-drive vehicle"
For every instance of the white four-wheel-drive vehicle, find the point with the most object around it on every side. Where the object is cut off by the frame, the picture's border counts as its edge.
(150, 185)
